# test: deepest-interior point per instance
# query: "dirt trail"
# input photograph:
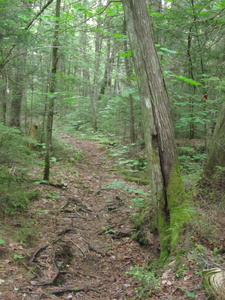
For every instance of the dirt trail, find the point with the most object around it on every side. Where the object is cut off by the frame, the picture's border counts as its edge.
(75, 241)
(83, 238)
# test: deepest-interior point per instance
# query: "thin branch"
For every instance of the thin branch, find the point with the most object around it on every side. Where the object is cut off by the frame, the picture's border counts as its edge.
(38, 14)
(97, 14)
(26, 28)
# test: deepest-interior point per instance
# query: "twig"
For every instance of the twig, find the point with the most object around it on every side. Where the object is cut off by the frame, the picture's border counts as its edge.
(80, 215)
(78, 248)
(64, 231)
(92, 248)
(37, 252)
(28, 268)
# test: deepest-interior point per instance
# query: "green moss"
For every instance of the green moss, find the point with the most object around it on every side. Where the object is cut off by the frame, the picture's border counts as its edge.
(178, 204)
(142, 220)
(125, 172)
(137, 180)
(164, 235)
(139, 237)
(171, 223)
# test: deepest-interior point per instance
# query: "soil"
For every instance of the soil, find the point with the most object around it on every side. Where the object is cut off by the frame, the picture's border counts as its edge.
(75, 240)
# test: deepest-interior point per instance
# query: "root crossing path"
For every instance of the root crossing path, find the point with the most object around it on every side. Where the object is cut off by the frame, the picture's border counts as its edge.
(80, 243)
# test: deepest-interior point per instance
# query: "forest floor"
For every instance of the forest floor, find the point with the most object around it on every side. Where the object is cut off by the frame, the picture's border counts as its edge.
(75, 241)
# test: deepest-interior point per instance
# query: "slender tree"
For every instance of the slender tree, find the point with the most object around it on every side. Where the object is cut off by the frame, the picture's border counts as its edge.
(52, 88)
(167, 191)
(216, 147)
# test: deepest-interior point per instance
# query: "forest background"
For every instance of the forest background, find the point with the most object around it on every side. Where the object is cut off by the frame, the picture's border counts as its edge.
(93, 92)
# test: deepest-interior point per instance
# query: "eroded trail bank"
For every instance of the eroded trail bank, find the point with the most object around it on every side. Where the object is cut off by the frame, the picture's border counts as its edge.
(78, 240)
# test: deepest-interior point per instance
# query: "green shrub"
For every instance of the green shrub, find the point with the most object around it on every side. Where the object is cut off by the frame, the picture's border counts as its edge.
(15, 156)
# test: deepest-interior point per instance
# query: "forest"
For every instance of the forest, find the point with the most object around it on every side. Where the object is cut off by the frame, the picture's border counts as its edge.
(112, 149)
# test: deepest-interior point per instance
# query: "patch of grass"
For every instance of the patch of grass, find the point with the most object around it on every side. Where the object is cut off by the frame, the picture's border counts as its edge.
(27, 232)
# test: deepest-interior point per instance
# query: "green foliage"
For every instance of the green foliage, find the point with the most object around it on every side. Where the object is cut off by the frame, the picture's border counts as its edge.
(2, 241)
(123, 187)
(137, 180)
(14, 154)
(146, 280)
(13, 147)
(190, 81)
(138, 202)
(27, 232)
(14, 196)
(108, 230)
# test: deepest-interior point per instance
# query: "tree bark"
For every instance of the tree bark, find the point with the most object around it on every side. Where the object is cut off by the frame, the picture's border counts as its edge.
(167, 192)
(131, 102)
(216, 146)
(94, 97)
(50, 112)
(18, 92)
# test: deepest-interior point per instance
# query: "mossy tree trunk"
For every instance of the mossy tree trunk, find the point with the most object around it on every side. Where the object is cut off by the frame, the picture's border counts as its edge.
(167, 191)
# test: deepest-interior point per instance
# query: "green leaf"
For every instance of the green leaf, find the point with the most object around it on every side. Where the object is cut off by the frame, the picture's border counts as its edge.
(2, 241)
(41, 182)
(126, 54)
(42, 211)
(53, 159)
(193, 82)
(169, 51)
(17, 256)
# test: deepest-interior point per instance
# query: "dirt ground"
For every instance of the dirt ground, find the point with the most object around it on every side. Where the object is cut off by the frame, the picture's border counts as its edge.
(75, 242)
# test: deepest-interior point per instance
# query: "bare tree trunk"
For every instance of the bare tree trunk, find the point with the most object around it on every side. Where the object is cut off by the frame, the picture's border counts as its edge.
(131, 104)
(167, 191)
(5, 91)
(50, 112)
(94, 97)
(18, 92)
(216, 146)
(132, 130)
(191, 75)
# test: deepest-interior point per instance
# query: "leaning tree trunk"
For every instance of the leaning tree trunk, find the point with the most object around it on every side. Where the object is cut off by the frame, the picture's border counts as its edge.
(50, 112)
(167, 192)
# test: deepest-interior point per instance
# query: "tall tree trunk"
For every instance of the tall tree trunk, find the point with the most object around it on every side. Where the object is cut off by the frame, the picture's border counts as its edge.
(167, 191)
(216, 146)
(132, 122)
(5, 91)
(191, 75)
(106, 82)
(94, 97)
(18, 92)
(52, 87)
(131, 103)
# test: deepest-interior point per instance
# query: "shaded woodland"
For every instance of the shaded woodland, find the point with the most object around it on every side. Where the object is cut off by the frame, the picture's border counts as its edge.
(112, 112)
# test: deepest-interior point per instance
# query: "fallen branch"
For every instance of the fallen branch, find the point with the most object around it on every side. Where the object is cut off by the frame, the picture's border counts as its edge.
(37, 252)
(53, 280)
(78, 248)
(72, 290)
(92, 248)
(67, 230)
